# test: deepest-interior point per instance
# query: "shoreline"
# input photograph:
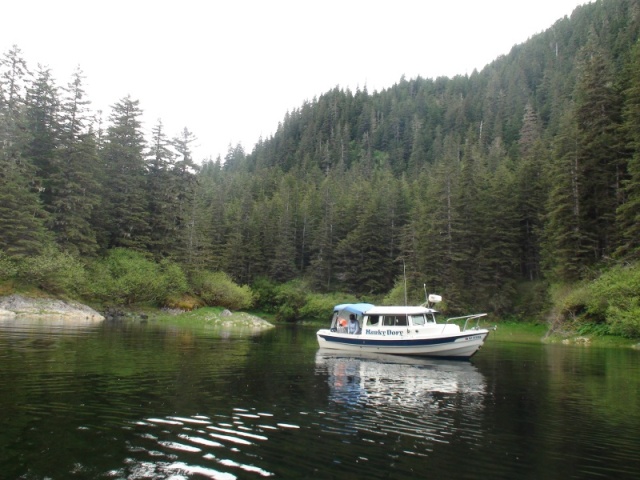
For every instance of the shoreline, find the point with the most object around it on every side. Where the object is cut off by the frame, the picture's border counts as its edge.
(17, 305)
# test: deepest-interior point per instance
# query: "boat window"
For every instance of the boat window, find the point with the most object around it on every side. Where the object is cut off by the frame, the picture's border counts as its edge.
(417, 320)
(431, 318)
(395, 320)
(373, 320)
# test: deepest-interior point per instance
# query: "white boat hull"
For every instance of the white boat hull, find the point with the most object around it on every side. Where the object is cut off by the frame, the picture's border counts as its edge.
(460, 345)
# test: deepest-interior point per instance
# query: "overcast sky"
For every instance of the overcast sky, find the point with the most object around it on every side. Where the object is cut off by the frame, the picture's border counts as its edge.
(230, 70)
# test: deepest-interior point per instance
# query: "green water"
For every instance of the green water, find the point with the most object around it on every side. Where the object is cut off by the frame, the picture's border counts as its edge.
(147, 401)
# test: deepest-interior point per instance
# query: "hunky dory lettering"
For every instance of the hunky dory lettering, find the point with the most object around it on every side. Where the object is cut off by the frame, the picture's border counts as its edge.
(384, 333)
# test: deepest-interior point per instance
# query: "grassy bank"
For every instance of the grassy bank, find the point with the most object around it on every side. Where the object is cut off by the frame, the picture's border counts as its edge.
(208, 317)
(520, 332)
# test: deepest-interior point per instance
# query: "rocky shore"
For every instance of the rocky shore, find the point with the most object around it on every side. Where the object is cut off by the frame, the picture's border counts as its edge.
(15, 305)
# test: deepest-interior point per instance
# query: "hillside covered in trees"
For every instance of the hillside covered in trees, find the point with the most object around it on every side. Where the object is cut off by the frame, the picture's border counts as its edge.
(494, 189)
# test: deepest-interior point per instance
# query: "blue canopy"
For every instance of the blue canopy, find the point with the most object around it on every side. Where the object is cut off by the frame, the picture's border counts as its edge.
(357, 308)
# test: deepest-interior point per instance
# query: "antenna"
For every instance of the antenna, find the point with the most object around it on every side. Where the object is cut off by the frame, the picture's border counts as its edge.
(404, 275)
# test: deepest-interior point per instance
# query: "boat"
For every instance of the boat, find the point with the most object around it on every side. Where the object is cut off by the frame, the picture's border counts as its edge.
(403, 330)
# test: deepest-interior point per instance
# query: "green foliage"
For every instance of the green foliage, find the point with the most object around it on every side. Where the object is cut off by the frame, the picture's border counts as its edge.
(615, 297)
(396, 295)
(176, 283)
(53, 271)
(569, 300)
(291, 298)
(531, 300)
(320, 306)
(265, 292)
(294, 301)
(608, 304)
(596, 329)
(217, 289)
(8, 267)
(127, 277)
(414, 295)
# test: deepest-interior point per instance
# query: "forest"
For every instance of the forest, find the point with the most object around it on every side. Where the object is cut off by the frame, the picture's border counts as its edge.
(513, 190)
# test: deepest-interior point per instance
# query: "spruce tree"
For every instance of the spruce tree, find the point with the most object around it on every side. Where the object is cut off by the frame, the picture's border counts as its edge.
(564, 240)
(601, 164)
(42, 115)
(628, 213)
(531, 193)
(161, 192)
(183, 175)
(124, 220)
(74, 183)
(22, 216)
(324, 238)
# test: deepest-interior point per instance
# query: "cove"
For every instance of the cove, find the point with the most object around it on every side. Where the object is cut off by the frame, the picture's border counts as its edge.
(136, 401)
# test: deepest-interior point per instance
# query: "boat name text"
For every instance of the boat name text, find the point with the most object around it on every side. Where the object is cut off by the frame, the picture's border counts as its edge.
(384, 333)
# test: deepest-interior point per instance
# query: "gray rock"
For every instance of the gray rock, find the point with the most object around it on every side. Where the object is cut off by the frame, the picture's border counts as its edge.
(19, 305)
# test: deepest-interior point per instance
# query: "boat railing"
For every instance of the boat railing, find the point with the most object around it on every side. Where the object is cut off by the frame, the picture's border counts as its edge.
(468, 318)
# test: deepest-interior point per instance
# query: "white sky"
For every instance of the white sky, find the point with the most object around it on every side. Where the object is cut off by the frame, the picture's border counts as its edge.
(230, 70)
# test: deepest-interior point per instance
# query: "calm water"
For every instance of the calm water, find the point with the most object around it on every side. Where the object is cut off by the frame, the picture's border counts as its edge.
(142, 401)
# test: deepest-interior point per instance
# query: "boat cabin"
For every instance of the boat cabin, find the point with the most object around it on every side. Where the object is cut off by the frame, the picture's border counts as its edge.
(369, 318)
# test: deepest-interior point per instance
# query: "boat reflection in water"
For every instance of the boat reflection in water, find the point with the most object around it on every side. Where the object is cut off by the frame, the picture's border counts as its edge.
(428, 398)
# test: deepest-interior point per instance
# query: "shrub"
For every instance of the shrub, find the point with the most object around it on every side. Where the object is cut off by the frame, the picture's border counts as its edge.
(320, 306)
(128, 277)
(396, 295)
(53, 271)
(291, 297)
(217, 289)
(625, 319)
(175, 280)
(265, 293)
(608, 304)
(570, 301)
(615, 298)
(8, 267)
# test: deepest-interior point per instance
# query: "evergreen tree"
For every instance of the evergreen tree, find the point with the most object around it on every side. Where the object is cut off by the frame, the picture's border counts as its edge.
(210, 203)
(184, 179)
(531, 193)
(628, 213)
(22, 217)
(324, 237)
(429, 240)
(499, 257)
(283, 263)
(124, 220)
(600, 148)
(161, 192)
(74, 182)
(368, 254)
(563, 244)
(42, 112)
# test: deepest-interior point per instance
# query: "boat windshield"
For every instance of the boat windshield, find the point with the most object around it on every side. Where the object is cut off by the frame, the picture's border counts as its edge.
(422, 319)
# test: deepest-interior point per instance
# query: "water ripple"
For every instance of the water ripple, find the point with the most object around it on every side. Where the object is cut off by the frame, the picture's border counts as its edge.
(216, 442)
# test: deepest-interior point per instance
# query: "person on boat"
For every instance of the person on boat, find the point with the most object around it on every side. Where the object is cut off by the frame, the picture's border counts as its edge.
(342, 323)
(354, 325)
